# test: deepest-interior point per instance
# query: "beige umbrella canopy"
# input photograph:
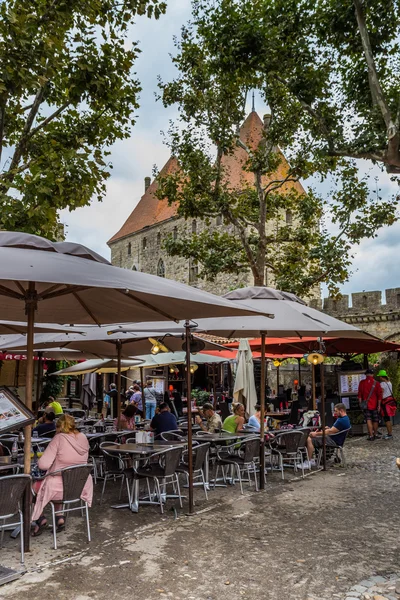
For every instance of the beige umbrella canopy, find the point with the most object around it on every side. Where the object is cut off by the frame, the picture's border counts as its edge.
(60, 282)
(19, 327)
(97, 365)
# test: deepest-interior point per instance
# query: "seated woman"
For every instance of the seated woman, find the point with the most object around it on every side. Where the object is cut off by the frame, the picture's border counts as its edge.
(68, 448)
(254, 420)
(235, 422)
(127, 418)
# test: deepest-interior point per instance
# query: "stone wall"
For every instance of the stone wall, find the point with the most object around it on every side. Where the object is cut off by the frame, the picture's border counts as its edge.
(367, 311)
(146, 252)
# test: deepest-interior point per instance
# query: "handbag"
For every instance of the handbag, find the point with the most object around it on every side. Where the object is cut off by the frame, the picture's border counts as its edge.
(364, 403)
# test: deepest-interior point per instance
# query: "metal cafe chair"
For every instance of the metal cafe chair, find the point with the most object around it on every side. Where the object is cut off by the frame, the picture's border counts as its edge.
(287, 446)
(162, 473)
(334, 451)
(242, 458)
(12, 488)
(74, 480)
(200, 455)
(173, 436)
(113, 467)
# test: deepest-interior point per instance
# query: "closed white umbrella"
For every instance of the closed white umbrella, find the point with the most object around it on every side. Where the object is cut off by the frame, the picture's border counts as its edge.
(245, 388)
(88, 392)
(97, 365)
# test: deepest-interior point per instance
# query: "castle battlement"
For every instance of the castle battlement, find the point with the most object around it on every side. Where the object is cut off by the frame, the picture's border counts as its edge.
(361, 303)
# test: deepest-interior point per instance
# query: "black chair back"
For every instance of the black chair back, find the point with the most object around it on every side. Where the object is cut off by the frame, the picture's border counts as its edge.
(292, 440)
(172, 458)
(112, 462)
(12, 488)
(199, 455)
(74, 480)
(251, 449)
(224, 408)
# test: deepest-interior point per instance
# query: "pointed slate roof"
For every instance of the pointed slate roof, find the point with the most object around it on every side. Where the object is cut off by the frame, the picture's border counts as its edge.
(150, 210)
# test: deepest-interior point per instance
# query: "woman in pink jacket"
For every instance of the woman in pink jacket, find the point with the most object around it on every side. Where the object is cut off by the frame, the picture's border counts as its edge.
(69, 447)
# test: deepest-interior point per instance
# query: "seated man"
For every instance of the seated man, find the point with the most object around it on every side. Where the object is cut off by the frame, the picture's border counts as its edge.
(315, 438)
(213, 420)
(163, 421)
(46, 424)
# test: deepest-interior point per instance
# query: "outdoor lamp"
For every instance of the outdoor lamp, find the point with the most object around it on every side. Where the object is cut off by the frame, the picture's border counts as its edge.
(315, 358)
(193, 368)
(171, 369)
(277, 363)
(155, 349)
(158, 346)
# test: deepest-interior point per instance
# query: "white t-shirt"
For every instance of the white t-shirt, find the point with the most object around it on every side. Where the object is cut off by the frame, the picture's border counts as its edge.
(387, 389)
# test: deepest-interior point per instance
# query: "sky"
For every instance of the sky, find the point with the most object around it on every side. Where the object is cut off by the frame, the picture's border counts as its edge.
(375, 265)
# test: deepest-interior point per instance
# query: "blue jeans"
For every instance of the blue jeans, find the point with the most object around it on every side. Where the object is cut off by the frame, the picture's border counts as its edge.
(150, 409)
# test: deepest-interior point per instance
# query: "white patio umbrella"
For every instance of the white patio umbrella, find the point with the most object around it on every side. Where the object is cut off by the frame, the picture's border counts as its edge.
(245, 388)
(98, 366)
(63, 282)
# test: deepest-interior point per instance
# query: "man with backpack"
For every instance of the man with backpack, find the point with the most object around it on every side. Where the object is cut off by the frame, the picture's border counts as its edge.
(369, 397)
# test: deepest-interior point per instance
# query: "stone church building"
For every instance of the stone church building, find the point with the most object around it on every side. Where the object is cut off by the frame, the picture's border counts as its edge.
(139, 243)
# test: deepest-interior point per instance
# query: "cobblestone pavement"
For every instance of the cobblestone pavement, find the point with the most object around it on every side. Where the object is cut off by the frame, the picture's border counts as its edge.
(311, 539)
(376, 588)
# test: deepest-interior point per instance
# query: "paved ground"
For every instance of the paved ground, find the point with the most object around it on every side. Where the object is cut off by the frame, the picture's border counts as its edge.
(311, 539)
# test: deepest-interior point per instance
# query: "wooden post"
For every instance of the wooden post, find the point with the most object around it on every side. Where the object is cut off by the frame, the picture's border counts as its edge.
(189, 414)
(277, 382)
(119, 350)
(30, 308)
(262, 414)
(39, 376)
(142, 384)
(314, 399)
(323, 416)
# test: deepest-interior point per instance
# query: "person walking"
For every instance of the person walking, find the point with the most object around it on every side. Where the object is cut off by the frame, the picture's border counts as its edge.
(150, 398)
(388, 403)
(369, 397)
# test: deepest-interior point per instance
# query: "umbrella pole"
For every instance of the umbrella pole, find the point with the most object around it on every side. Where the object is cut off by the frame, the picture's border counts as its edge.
(323, 416)
(314, 401)
(142, 384)
(262, 414)
(214, 388)
(277, 382)
(189, 414)
(298, 360)
(30, 308)
(119, 349)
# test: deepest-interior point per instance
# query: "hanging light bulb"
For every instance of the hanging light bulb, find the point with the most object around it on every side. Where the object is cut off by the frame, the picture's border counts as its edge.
(171, 369)
(155, 349)
(277, 363)
(315, 358)
(193, 368)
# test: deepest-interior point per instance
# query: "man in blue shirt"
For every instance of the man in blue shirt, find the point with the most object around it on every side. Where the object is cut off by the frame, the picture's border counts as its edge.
(46, 424)
(340, 425)
(163, 421)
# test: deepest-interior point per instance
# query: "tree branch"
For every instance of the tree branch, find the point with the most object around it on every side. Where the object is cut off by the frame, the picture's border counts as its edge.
(374, 83)
(242, 235)
(48, 120)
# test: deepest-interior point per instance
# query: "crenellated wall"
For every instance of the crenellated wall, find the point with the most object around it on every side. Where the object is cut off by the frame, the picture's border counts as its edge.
(367, 311)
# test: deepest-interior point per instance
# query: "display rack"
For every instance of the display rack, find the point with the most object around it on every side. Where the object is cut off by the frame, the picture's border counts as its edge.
(348, 382)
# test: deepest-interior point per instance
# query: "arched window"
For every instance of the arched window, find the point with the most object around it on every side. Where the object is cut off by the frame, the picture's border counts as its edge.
(129, 249)
(158, 239)
(365, 301)
(193, 271)
(144, 243)
(194, 226)
(289, 217)
(175, 233)
(134, 268)
(161, 268)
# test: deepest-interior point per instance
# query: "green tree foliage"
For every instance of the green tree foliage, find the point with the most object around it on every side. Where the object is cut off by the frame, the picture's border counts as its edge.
(67, 92)
(218, 64)
(52, 384)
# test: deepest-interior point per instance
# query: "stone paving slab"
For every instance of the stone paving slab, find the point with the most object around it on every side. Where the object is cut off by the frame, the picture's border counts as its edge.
(376, 587)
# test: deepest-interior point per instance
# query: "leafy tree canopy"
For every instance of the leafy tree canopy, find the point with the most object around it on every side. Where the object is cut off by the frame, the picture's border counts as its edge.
(67, 92)
(216, 71)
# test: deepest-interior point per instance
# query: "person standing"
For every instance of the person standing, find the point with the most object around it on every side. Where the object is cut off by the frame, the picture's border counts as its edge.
(136, 399)
(388, 403)
(113, 393)
(150, 398)
(369, 397)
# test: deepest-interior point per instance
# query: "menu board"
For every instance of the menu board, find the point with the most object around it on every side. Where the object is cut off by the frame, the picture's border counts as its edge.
(159, 385)
(349, 382)
(13, 414)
